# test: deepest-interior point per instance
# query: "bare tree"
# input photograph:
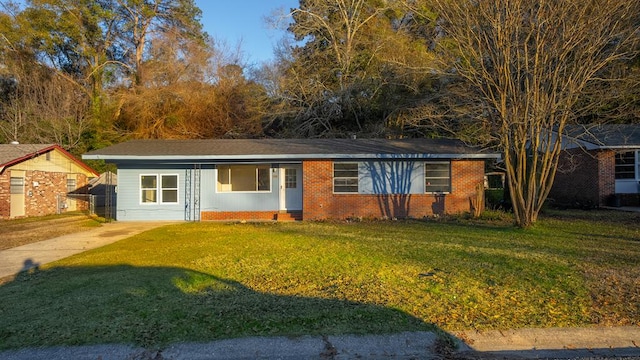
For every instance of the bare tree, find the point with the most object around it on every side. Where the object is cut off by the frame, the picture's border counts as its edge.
(527, 63)
(45, 107)
(352, 66)
(141, 20)
(191, 92)
(337, 26)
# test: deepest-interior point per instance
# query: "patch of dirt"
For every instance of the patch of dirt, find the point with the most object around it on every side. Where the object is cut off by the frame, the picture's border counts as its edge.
(14, 233)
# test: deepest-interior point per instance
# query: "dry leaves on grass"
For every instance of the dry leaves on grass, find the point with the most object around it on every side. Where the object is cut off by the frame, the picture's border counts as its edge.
(14, 233)
(608, 287)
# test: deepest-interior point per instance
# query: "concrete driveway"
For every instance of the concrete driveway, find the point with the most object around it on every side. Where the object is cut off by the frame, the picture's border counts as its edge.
(21, 258)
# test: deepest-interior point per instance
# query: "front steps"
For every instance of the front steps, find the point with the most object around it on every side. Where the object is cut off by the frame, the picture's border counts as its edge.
(289, 216)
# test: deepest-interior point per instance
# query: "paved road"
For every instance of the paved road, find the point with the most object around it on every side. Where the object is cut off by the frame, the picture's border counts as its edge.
(586, 343)
(27, 256)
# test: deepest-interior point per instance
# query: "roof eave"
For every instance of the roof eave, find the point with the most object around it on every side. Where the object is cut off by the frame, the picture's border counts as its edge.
(289, 157)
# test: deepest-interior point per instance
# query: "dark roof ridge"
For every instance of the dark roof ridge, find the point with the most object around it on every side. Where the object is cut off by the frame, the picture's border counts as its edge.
(282, 147)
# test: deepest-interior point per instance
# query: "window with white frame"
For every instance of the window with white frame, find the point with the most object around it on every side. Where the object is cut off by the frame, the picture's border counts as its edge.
(437, 175)
(71, 185)
(159, 189)
(626, 165)
(345, 177)
(244, 178)
(16, 185)
(169, 188)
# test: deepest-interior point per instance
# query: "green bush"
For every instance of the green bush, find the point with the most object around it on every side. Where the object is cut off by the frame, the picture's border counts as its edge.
(494, 198)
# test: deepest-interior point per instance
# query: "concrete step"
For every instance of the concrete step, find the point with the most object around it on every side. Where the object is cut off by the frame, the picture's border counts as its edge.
(289, 216)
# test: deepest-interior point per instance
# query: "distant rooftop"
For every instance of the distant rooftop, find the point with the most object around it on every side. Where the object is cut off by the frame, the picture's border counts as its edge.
(608, 135)
(14, 153)
(11, 152)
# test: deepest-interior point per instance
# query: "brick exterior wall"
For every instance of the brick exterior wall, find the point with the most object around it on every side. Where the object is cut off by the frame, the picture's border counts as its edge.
(238, 215)
(5, 197)
(250, 215)
(42, 199)
(584, 178)
(320, 202)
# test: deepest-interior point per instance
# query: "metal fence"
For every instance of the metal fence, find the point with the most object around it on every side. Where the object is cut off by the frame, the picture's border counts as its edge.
(98, 205)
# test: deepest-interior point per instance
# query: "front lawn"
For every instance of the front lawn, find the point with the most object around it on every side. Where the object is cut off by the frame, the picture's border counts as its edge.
(204, 281)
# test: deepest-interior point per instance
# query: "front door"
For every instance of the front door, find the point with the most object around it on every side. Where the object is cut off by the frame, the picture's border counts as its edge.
(291, 188)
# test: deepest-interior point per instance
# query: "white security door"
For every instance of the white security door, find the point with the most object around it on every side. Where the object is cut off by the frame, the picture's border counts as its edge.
(17, 194)
(291, 187)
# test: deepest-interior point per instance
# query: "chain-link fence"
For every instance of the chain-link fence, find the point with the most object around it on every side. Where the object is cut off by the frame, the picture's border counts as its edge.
(99, 205)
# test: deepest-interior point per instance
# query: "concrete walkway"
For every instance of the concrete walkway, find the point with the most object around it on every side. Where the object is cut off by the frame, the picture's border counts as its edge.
(591, 342)
(35, 254)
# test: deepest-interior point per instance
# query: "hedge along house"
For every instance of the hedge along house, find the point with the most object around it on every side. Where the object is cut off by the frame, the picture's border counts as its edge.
(292, 179)
(36, 180)
(600, 166)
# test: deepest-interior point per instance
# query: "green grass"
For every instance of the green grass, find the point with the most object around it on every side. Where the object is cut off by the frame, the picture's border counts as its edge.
(204, 281)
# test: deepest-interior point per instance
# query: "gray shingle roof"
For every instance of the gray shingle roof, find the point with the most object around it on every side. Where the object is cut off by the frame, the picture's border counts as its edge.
(607, 136)
(11, 152)
(285, 149)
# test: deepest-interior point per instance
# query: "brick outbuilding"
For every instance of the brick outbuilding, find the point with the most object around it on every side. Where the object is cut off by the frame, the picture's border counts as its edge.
(36, 179)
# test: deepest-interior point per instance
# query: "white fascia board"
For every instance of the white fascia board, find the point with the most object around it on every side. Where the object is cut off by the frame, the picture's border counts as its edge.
(290, 157)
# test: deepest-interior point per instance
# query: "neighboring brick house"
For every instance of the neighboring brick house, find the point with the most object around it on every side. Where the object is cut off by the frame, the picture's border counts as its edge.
(600, 166)
(35, 180)
(276, 179)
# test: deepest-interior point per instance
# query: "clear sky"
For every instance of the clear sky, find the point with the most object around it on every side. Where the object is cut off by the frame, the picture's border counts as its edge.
(243, 21)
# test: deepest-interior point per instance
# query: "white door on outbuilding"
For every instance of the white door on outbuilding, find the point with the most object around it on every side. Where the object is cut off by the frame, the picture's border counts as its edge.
(17, 193)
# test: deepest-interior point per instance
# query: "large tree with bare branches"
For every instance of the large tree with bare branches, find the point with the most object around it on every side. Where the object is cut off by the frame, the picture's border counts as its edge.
(526, 64)
(350, 68)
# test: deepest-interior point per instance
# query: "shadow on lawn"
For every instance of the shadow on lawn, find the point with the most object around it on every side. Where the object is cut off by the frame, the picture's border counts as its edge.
(154, 306)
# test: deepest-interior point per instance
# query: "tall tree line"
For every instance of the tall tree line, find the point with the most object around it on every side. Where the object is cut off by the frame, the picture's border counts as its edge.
(86, 73)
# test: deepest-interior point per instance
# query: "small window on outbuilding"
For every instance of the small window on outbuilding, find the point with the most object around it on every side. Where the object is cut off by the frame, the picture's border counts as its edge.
(16, 185)
(71, 185)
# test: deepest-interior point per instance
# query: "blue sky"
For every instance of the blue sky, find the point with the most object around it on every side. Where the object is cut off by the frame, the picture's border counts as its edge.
(243, 21)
